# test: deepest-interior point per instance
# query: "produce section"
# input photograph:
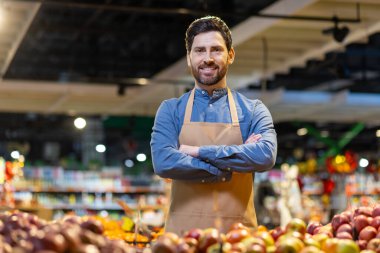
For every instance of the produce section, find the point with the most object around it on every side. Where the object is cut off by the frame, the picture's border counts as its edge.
(352, 231)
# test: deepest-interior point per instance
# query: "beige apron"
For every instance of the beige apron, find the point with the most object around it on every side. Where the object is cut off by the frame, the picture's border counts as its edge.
(192, 205)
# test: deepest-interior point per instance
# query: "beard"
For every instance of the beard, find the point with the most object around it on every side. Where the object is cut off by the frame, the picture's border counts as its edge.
(209, 80)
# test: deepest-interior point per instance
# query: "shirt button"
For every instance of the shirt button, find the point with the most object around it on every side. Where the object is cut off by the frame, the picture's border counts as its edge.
(203, 180)
(223, 179)
(210, 105)
(203, 92)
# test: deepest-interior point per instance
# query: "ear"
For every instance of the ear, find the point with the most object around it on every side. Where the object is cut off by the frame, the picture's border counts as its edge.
(231, 56)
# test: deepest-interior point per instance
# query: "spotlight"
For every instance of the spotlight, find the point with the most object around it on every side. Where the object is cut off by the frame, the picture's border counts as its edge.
(338, 33)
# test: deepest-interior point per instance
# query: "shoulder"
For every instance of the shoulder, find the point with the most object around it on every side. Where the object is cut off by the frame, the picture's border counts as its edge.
(246, 103)
(173, 105)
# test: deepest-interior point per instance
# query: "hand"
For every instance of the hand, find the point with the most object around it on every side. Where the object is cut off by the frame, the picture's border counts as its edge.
(189, 150)
(253, 138)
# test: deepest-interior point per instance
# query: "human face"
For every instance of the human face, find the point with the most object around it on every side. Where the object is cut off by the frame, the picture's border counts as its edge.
(209, 59)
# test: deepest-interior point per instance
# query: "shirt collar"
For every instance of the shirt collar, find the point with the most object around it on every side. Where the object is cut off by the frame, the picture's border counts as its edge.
(216, 94)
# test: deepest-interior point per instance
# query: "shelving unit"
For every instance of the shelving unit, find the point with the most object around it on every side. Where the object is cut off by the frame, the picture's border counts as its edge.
(85, 192)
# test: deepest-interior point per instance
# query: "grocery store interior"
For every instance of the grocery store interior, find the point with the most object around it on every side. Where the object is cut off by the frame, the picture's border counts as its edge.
(81, 81)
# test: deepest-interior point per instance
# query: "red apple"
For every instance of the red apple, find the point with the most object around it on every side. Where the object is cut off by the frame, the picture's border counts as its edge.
(192, 242)
(362, 244)
(326, 229)
(238, 225)
(367, 233)
(338, 220)
(344, 235)
(374, 244)
(360, 222)
(375, 222)
(312, 226)
(276, 232)
(238, 247)
(193, 233)
(296, 224)
(266, 237)
(256, 248)
(345, 228)
(348, 213)
(215, 248)
(376, 211)
(183, 247)
(164, 244)
(209, 237)
(363, 210)
(236, 235)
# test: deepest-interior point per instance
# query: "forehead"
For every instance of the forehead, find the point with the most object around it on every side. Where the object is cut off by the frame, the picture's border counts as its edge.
(209, 39)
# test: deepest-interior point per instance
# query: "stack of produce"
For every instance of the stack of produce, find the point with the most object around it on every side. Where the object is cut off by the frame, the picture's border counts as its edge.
(352, 231)
(122, 229)
(23, 233)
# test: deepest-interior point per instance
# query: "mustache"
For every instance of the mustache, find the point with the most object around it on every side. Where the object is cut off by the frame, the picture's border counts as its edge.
(208, 65)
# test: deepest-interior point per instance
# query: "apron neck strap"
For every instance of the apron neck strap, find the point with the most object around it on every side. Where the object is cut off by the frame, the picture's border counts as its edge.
(231, 101)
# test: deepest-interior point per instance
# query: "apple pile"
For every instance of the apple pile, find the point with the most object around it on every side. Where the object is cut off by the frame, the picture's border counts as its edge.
(238, 239)
(361, 224)
(24, 232)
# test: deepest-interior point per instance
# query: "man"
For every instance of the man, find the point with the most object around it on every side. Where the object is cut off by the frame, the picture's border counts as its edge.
(210, 141)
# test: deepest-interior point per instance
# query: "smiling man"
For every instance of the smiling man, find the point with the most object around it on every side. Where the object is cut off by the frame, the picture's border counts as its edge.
(211, 140)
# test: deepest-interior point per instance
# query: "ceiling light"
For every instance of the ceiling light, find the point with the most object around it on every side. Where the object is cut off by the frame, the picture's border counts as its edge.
(129, 163)
(363, 162)
(378, 133)
(15, 154)
(100, 148)
(80, 123)
(338, 33)
(141, 157)
(301, 131)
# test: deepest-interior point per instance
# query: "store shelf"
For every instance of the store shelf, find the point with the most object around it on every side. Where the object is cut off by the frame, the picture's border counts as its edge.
(125, 190)
(109, 207)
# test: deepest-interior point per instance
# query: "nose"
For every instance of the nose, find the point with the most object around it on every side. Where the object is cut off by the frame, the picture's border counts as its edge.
(208, 59)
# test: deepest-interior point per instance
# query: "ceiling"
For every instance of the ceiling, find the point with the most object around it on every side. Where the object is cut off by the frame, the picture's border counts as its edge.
(123, 57)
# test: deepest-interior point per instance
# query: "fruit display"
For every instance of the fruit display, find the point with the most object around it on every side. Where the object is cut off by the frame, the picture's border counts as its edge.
(23, 233)
(122, 230)
(351, 231)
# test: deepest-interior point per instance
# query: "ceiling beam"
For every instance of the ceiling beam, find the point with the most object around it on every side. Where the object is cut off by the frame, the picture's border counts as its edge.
(32, 11)
(318, 53)
(242, 32)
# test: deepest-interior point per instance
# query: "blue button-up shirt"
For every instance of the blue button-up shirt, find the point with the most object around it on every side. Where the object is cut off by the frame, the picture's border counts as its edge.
(215, 162)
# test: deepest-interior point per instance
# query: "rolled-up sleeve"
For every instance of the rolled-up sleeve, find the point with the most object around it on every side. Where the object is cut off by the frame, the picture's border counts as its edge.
(168, 161)
(253, 157)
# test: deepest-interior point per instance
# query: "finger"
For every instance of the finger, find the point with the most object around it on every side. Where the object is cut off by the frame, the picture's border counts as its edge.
(253, 139)
(256, 137)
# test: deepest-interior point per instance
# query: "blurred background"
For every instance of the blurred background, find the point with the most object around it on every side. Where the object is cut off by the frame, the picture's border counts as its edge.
(110, 63)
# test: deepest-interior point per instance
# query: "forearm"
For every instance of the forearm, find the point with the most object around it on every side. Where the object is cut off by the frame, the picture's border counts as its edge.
(251, 157)
(171, 163)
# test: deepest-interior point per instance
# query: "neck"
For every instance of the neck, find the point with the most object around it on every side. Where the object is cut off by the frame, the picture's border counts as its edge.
(210, 88)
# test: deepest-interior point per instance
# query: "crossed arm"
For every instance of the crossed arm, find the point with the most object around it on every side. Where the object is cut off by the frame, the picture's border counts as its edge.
(194, 150)
(210, 163)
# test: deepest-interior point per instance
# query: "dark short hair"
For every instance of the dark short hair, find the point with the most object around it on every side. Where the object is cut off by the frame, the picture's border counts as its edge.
(208, 24)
